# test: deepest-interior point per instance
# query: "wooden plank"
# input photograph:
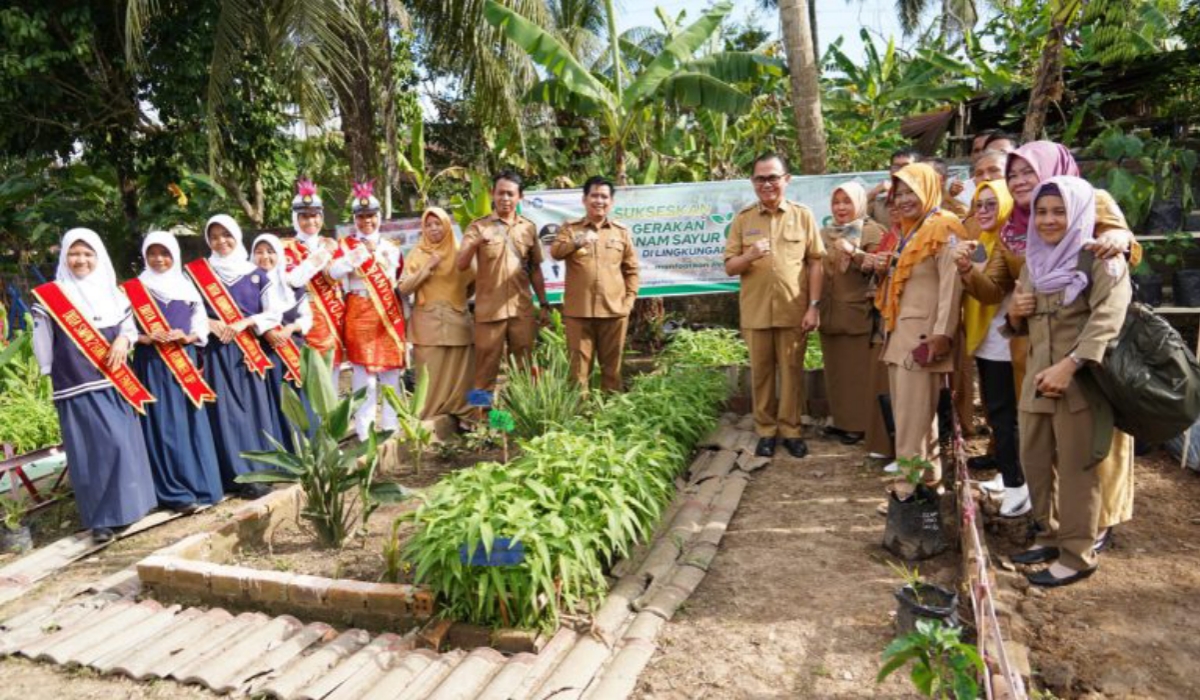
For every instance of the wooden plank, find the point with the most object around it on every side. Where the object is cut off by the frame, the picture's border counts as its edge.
(469, 676)
(20, 575)
(408, 667)
(223, 674)
(261, 670)
(141, 663)
(356, 663)
(298, 674)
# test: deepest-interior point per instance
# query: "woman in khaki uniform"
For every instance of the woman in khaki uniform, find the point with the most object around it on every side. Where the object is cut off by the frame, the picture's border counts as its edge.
(921, 306)
(1070, 315)
(441, 327)
(1026, 168)
(846, 312)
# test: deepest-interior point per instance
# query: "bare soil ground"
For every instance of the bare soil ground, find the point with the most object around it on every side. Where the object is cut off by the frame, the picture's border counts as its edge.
(798, 603)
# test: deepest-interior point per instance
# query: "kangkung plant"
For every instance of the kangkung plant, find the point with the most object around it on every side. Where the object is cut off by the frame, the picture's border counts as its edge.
(409, 407)
(541, 398)
(717, 347)
(943, 666)
(338, 483)
(577, 498)
(28, 420)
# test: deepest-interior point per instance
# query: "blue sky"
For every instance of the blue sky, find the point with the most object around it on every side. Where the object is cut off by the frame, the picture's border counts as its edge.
(834, 17)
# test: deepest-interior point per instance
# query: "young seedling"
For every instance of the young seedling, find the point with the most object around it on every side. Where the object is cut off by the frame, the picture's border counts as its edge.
(943, 666)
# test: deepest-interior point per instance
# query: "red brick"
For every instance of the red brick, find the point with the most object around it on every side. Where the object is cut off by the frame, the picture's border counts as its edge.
(433, 634)
(269, 586)
(191, 576)
(392, 598)
(189, 547)
(154, 570)
(349, 595)
(422, 603)
(230, 582)
(308, 591)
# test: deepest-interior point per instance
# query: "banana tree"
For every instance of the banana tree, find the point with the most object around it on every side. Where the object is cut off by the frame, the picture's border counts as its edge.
(414, 167)
(619, 102)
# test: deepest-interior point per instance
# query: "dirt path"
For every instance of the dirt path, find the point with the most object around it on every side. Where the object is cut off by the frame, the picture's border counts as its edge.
(1129, 631)
(798, 603)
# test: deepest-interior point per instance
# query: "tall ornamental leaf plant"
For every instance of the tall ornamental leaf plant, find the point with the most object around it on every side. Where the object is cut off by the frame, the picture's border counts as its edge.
(338, 482)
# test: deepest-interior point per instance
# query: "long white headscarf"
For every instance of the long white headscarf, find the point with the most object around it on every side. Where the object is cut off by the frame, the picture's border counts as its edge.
(97, 294)
(172, 285)
(280, 294)
(236, 264)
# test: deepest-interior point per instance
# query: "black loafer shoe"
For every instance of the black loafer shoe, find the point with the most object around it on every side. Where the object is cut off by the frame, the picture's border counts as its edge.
(187, 508)
(1045, 579)
(765, 448)
(255, 491)
(100, 535)
(982, 462)
(852, 438)
(796, 447)
(832, 431)
(1035, 556)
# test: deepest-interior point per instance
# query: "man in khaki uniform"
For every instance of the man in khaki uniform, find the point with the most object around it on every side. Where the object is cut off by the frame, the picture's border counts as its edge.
(505, 249)
(601, 285)
(775, 247)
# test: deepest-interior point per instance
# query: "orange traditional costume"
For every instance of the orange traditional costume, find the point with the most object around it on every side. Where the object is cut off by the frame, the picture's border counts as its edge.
(367, 267)
(308, 257)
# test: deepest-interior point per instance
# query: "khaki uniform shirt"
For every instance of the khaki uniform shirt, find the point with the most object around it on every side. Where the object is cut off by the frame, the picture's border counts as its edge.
(504, 265)
(1083, 327)
(601, 277)
(848, 297)
(774, 290)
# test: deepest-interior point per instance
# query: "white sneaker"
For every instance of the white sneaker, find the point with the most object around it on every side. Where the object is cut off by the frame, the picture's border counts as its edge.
(876, 455)
(1016, 502)
(993, 485)
(892, 468)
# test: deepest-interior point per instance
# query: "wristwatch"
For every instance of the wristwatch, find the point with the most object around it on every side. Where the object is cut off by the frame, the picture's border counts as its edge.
(814, 303)
(1076, 359)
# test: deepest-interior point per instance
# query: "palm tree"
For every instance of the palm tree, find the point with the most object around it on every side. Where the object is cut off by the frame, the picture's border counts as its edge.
(773, 5)
(958, 16)
(806, 89)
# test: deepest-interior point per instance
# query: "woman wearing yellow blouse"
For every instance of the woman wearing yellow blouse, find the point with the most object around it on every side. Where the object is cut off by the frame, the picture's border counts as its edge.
(441, 327)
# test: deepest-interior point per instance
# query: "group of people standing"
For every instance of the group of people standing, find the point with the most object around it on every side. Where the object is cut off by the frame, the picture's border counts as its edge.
(215, 340)
(1029, 277)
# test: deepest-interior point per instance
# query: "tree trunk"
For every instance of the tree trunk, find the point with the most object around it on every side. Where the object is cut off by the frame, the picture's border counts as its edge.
(389, 109)
(1046, 85)
(356, 102)
(816, 39)
(619, 164)
(806, 92)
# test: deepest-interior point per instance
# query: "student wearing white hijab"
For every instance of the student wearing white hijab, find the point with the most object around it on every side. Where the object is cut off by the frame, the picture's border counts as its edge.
(178, 435)
(295, 320)
(106, 454)
(244, 412)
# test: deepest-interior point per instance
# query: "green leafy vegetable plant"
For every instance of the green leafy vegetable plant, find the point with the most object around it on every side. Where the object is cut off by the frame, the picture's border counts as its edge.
(575, 499)
(718, 347)
(943, 666)
(409, 407)
(28, 420)
(338, 483)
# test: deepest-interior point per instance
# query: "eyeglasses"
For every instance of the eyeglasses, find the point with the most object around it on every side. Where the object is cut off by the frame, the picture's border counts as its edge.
(987, 205)
(766, 179)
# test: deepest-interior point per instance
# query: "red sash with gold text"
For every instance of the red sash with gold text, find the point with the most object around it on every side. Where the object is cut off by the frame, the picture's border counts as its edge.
(379, 290)
(327, 293)
(219, 299)
(151, 319)
(92, 344)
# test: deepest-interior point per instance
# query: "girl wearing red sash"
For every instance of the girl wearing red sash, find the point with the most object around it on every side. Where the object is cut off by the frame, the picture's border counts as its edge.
(244, 414)
(178, 437)
(375, 354)
(295, 321)
(106, 454)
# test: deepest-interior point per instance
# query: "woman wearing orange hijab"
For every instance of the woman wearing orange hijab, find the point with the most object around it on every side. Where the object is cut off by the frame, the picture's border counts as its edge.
(441, 327)
(920, 301)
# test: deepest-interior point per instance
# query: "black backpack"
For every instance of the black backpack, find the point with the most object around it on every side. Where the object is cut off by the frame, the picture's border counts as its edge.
(1149, 375)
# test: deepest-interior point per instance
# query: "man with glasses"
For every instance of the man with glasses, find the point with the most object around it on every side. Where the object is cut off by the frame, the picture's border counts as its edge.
(775, 247)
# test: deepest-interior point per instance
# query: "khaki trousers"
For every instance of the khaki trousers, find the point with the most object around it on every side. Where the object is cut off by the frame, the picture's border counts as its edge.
(490, 341)
(777, 355)
(1056, 453)
(600, 339)
(914, 408)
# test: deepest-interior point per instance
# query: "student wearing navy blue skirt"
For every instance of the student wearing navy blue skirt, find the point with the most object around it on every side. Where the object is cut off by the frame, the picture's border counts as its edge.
(178, 437)
(296, 320)
(82, 334)
(244, 414)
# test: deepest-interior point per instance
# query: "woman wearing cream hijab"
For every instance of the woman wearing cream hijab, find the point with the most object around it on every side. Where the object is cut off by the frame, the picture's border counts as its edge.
(846, 312)
(441, 327)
